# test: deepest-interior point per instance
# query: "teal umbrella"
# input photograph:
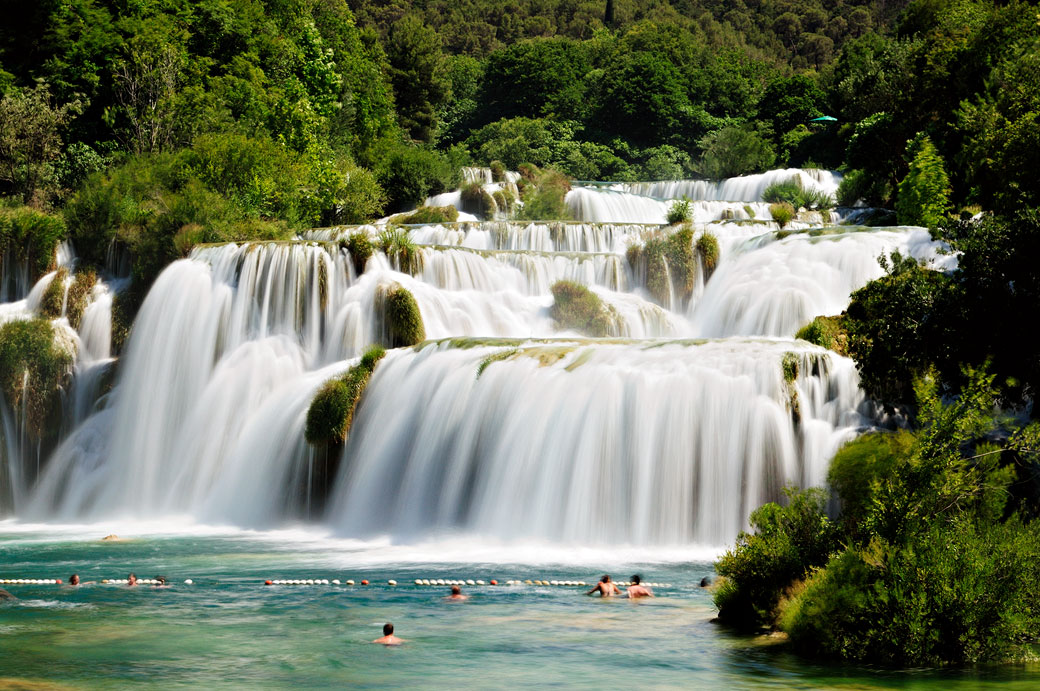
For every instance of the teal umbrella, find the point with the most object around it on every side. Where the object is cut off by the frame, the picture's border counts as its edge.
(825, 118)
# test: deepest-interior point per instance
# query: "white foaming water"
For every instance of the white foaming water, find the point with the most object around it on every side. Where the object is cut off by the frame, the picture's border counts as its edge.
(579, 443)
(747, 188)
(659, 443)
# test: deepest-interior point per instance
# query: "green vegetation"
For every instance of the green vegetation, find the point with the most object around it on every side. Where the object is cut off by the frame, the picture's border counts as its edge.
(707, 247)
(932, 561)
(544, 197)
(924, 194)
(826, 332)
(578, 308)
(33, 370)
(404, 324)
(680, 211)
(682, 262)
(428, 214)
(782, 213)
(54, 297)
(32, 236)
(398, 247)
(331, 413)
(477, 200)
(360, 248)
(792, 192)
(734, 151)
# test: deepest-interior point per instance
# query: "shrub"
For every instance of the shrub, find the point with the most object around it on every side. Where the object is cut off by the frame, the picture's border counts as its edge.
(680, 211)
(477, 200)
(79, 293)
(682, 262)
(924, 194)
(707, 247)
(734, 151)
(53, 298)
(428, 214)
(360, 248)
(404, 324)
(791, 192)
(826, 332)
(655, 267)
(498, 171)
(789, 367)
(578, 308)
(788, 541)
(546, 199)
(398, 247)
(33, 369)
(410, 174)
(32, 236)
(858, 185)
(782, 213)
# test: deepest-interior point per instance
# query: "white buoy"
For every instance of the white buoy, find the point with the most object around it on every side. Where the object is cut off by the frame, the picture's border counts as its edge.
(188, 581)
(480, 582)
(470, 581)
(351, 582)
(391, 582)
(335, 581)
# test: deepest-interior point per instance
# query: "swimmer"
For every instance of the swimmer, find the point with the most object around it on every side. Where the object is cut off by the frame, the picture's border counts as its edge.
(388, 636)
(4, 595)
(131, 580)
(74, 579)
(605, 588)
(160, 581)
(456, 595)
(636, 590)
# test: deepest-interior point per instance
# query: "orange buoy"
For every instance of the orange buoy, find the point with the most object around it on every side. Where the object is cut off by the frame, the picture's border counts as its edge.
(364, 582)
(58, 581)
(493, 582)
(267, 582)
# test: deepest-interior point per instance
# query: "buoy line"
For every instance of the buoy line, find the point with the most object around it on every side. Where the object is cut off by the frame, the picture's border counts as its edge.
(349, 582)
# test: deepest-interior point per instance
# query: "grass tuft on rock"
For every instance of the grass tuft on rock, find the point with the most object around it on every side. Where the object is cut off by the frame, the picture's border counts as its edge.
(826, 332)
(428, 215)
(360, 248)
(331, 413)
(578, 308)
(707, 247)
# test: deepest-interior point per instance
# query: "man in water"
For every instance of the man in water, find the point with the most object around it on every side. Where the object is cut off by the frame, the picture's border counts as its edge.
(636, 590)
(388, 636)
(74, 579)
(456, 594)
(131, 580)
(605, 588)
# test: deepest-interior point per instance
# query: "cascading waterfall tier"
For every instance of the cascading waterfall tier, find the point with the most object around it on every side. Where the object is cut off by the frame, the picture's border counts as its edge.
(544, 436)
(588, 441)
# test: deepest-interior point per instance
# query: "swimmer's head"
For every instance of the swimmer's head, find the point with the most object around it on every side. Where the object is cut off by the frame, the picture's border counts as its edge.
(605, 579)
(456, 590)
(132, 579)
(388, 629)
(636, 578)
(74, 579)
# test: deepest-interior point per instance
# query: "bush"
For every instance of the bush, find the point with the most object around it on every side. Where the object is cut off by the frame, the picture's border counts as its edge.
(682, 262)
(331, 413)
(924, 194)
(707, 247)
(33, 369)
(859, 185)
(788, 541)
(826, 332)
(782, 213)
(734, 151)
(410, 174)
(578, 308)
(791, 192)
(52, 299)
(680, 211)
(360, 249)
(32, 236)
(477, 200)
(404, 324)
(546, 199)
(498, 171)
(399, 249)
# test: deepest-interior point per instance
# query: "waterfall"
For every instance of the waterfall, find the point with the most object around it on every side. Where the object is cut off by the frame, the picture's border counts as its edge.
(504, 423)
(659, 443)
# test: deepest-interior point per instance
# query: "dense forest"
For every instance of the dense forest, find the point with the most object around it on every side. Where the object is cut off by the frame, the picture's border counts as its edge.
(155, 125)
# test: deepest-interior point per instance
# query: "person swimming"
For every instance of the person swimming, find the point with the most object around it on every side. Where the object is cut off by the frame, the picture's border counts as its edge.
(74, 579)
(131, 580)
(605, 587)
(637, 590)
(388, 636)
(456, 595)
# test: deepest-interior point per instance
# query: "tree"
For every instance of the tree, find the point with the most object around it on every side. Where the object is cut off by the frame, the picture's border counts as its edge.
(417, 75)
(145, 82)
(791, 101)
(924, 194)
(734, 151)
(30, 139)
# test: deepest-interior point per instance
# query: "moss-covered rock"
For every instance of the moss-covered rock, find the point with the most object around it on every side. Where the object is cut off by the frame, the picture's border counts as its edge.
(498, 171)
(578, 308)
(54, 297)
(331, 413)
(360, 248)
(658, 282)
(33, 369)
(826, 332)
(477, 200)
(707, 247)
(428, 214)
(682, 262)
(404, 324)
